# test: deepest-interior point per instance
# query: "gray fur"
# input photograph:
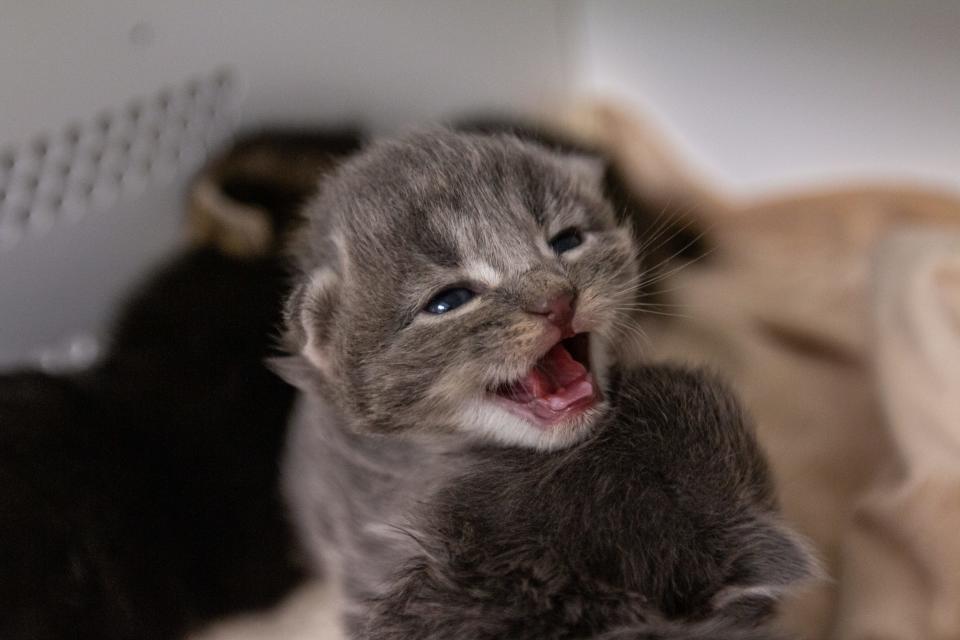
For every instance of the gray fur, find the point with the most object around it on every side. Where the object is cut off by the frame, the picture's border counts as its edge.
(395, 402)
(411, 217)
(661, 524)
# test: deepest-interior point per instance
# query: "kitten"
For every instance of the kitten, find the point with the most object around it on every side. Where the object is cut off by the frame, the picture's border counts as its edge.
(139, 498)
(247, 199)
(661, 524)
(455, 289)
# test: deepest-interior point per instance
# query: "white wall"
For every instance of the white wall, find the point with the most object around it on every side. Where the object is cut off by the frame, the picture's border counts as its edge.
(381, 62)
(769, 93)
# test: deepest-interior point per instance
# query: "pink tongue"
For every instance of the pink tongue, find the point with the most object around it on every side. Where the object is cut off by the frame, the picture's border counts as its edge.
(554, 384)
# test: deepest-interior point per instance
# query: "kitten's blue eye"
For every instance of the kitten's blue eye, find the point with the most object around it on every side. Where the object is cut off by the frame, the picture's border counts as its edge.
(566, 240)
(448, 300)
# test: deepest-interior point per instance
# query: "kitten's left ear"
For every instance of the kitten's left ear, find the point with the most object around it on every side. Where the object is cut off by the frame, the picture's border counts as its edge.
(773, 560)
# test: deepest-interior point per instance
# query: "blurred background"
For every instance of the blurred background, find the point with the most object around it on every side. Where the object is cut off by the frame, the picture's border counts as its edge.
(108, 106)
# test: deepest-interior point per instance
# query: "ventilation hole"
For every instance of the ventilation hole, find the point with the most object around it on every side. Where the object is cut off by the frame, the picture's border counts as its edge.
(20, 214)
(73, 135)
(40, 147)
(223, 78)
(165, 100)
(104, 121)
(193, 89)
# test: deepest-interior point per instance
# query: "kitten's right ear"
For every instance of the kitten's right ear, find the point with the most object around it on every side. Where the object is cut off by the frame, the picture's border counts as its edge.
(309, 315)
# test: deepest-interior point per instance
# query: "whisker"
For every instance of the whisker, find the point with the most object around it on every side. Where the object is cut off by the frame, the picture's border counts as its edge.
(677, 232)
(678, 268)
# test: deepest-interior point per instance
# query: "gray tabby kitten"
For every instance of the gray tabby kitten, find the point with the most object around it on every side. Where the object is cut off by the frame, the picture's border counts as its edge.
(456, 289)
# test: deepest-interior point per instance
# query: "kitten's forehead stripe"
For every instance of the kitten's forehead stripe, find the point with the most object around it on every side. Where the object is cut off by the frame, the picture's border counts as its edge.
(483, 273)
(434, 243)
(532, 191)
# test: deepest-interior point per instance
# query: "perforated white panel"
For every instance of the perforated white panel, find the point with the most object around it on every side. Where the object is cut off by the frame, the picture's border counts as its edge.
(90, 165)
(106, 107)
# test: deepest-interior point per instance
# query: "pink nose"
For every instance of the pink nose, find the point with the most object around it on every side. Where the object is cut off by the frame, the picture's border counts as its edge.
(558, 310)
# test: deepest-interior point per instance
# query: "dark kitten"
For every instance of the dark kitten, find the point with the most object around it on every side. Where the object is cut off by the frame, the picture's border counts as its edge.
(662, 524)
(139, 499)
(248, 199)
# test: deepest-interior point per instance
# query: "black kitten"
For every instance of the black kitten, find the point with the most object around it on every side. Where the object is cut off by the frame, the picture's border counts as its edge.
(662, 524)
(139, 499)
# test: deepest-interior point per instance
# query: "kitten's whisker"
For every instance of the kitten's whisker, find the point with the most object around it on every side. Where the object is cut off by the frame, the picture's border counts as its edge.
(662, 226)
(675, 270)
(631, 331)
(664, 313)
(658, 292)
(689, 223)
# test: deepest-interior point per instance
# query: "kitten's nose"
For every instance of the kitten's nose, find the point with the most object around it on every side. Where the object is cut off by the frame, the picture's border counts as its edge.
(557, 309)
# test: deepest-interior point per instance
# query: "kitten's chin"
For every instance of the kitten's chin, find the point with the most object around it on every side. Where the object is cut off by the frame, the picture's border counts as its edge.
(491, 421)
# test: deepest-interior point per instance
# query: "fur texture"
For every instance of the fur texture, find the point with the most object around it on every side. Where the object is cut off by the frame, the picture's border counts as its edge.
(661, 524)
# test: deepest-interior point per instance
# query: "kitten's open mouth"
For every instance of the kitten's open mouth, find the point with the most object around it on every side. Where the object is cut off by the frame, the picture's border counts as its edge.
(559, 385)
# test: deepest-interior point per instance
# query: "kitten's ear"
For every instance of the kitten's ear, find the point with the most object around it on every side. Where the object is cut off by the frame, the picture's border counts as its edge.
(309, 315)
(772, 561)
(590, 169)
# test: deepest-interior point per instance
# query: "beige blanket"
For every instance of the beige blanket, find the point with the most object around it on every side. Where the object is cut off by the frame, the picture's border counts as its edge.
(837, 316)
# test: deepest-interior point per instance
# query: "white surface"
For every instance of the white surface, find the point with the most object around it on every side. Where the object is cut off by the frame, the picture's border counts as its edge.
(66, 282)
(384, 61)
(770, 93)
(380, 62)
